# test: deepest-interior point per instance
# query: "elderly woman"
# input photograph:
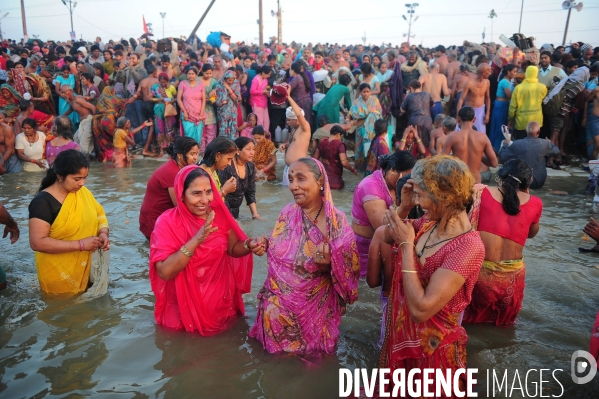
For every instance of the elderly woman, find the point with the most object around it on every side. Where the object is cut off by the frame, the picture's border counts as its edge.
(30, 145)
(331, 152)
(312, 269)
(228, 94)
(438, 261)
(505, 216)
(64, 131)
(160, 194)
(373, 195)
(191, 97)
(200, 259)
(9, 101)
(365, 111)
(66, 224)
(66, 78)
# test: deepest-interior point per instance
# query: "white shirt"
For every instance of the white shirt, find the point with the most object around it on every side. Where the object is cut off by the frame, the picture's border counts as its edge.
(31, 150)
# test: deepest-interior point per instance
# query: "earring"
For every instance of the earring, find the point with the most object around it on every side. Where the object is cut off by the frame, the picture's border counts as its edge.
(321, 188)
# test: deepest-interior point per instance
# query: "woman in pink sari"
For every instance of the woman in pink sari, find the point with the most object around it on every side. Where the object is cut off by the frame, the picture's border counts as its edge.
(373, 196)
(191, 98)
(312, 269)
(200, 259)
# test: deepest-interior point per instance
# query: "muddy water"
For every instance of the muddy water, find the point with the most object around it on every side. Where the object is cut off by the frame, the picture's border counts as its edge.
(111, 347)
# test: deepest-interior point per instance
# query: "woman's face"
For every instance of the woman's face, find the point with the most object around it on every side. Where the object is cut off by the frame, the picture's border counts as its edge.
(198, 197)
(191, 158)
(303, 185)
(366, 59)
(383, 68)
(353, 59)
(97, 71)
(265, 75)
(191, 75)
(207, 74)
(223, 160)
(258, 138)
(247, 154)
(252, 121)
(43, 64)
(230, 81)
(107, 55)
(29, 131)
(247, 63)
(512, 74)
(5, 93)
(65, 74)
(19, 68)
(163, 82)
(73, 183)
(365, 94)
(292, 72)
(376, 61)
(424, 199)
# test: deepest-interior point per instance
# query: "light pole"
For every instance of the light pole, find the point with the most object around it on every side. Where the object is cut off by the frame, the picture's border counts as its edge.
(410, 11)
(150, 27)
(24, 19)
(520, 25)
(260, 23)
(1, 18)
(279, 15)
(163, 15)
(71, 6)
(569, 5)
(492, 15)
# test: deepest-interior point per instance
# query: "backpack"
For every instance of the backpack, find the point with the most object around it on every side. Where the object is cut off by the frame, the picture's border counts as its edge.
(553, 106)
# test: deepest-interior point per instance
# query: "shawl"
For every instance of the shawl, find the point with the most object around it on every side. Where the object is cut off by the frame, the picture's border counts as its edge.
(384, 77)
(369, 110)
(419, 65)
(397, 91)
(11, 105)
(206, 295)
(80, 216)
(580, 75)
(18, 82)
(40, 89)
(347, 71)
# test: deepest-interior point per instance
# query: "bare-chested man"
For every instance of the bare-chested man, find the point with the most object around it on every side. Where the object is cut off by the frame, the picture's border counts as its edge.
(436, 132)
(441, 59)
(448, 127)
(299, 137)
(218, 72)
(337, 61)
(144, 93)
(85, 110)
(591, 121)
(472, 147)
(435, 84)
(476, 94)
(453, 68)
(44, 121)
(9, 162)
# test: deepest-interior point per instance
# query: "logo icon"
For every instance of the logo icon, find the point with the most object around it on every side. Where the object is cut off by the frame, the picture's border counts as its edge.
(584, 367)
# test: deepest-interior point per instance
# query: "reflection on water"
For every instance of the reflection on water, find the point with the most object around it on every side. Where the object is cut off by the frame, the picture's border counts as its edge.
(111, 346)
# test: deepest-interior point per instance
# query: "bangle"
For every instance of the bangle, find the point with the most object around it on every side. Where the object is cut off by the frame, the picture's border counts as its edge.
(419, 141)
(403, 140)
(406, 242)
(245, 244)
(186, 251)
(80, 245)
(409, 271)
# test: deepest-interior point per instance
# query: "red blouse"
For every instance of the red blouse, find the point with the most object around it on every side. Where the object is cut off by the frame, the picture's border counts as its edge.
(493, 218)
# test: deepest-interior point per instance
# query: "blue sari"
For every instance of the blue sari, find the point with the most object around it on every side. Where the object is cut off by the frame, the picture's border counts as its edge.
(63, 105)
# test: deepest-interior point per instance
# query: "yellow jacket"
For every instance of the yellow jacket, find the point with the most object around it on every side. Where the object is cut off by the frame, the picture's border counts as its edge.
(527, 97)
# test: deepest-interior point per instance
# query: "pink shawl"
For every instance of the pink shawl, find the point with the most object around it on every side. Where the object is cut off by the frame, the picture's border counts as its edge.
(206, 295)
(372, 188)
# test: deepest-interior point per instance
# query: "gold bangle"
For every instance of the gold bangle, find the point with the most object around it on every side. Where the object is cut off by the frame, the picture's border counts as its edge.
(406, 242)
(419, 141)
(403, 140)
(245, 244)
(186, 251)
(409, 271)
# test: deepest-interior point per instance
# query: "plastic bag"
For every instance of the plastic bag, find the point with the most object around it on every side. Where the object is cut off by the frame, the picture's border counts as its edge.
(98, 275)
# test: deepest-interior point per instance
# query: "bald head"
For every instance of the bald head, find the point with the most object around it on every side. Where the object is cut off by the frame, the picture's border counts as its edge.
(435, 68)
(533, 129)
(484, 71)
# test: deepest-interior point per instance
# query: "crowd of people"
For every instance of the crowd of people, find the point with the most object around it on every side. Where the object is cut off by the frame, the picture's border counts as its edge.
(423, 126)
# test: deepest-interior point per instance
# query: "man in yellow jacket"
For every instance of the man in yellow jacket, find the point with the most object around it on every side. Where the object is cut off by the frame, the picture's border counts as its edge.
(525, 105)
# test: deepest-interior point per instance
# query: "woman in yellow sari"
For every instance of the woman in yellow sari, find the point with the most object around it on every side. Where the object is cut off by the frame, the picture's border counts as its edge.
(66, 224)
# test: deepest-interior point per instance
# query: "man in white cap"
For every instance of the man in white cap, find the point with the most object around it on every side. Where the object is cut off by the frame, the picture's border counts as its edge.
(299, 136)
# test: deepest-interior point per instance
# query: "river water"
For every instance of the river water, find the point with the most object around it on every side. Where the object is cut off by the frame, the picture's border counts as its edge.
(111, 347)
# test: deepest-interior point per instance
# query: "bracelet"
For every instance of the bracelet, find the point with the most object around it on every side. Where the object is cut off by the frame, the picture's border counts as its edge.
(186, 251)
(406, 242)
(409, 271)
(403, 140)
(419, 141)
(80, 245)
(245, 244)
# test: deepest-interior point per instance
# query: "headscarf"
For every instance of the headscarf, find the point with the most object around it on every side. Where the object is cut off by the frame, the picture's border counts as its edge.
(345, 69)
(18, 82)
(229, 74)
(289, 114)
(195, 288)
(580, 75)
(531, 74)
(11, 105)
(82, 50)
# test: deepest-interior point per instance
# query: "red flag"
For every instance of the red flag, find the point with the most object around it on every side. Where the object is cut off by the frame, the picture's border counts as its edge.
(145, 25)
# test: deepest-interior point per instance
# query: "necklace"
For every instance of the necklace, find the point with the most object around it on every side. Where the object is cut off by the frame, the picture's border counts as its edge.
(317, 214)
(425, 247)
(30, 143)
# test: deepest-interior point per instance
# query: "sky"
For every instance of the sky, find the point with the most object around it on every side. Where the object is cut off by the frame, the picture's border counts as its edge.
(334, 21)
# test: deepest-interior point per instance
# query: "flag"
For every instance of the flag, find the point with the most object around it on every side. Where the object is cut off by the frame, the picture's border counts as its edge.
(145, 25)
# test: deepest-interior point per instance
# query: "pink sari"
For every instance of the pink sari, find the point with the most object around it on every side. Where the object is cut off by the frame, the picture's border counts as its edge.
(300, 307)
(372, 188)
(206, 295)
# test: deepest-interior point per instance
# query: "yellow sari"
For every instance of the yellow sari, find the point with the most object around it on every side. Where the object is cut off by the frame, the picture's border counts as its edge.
(80, 216)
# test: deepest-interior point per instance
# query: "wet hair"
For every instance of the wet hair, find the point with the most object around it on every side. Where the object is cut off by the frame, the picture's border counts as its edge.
(191, 68)
(449, 123)
(439, 118)
(515, 175)
(506, 69)
(416, 212)
(65, 68)
(66, 163)
(363, 86)
(241, 142)
(322, 120)
(121, 122)
(64, 127)
(24, 105)
(297, 68)
(336, 129)
(207, 67)
(30, 122)
(312, 165)
(194, 174)
(366, 68)
(448, 181)
(414, 84)
(182, 145)
(151, 69)
(380, 127)
(258, 130)
(165, 58)
(220, 145)
(88, 77)
(466, 114)
(399, 161)
(344, 79)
